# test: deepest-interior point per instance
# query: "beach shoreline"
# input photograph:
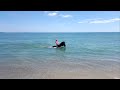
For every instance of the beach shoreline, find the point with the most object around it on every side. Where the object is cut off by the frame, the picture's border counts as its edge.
(61, 70)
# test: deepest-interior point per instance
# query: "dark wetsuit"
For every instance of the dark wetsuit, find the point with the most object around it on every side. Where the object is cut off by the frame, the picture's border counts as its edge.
(61, 44)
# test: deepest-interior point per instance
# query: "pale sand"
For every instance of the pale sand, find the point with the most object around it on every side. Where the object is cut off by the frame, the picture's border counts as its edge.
(61, 70)
(84, 75)
(61, 75)
(75, 75)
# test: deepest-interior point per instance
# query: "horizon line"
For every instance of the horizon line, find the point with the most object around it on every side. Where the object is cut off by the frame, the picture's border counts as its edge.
(52, 32)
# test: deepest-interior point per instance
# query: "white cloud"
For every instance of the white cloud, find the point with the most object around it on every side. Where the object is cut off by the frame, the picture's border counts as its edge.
(46, 11)
(56, 13)
(99, 20)
(52, 14)
(66, 16)
(106, 21)
(88, 20)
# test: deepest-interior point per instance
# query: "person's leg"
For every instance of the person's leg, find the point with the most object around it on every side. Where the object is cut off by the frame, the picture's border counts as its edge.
(63, 44)
(54, 46)
(58, 45)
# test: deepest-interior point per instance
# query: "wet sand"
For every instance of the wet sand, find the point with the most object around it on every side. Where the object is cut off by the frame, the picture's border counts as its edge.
(61, 70)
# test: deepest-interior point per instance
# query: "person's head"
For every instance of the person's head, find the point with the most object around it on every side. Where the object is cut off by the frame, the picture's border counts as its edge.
(56, 40)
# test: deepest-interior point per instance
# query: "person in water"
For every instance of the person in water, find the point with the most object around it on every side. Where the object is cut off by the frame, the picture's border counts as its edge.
(57, 43)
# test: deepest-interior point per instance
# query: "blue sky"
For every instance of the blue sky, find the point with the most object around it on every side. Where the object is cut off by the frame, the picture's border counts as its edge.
(59, 21)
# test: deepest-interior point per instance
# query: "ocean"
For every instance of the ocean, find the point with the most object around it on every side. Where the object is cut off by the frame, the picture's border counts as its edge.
(87, 55)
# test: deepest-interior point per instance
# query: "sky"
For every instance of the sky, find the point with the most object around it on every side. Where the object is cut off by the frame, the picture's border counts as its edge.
(59, 21)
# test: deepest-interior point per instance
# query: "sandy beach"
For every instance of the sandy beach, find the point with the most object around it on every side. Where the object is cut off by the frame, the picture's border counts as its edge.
(61, 70)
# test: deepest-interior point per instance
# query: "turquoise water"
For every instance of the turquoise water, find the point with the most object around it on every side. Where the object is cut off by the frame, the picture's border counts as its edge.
(24, 48)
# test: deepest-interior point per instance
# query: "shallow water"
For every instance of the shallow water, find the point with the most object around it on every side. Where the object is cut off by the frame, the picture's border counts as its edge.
(29, 55)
